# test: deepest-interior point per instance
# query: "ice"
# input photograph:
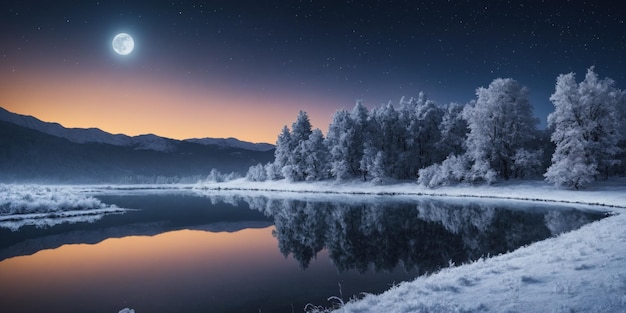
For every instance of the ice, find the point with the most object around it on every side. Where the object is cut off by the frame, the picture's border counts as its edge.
(45, 206)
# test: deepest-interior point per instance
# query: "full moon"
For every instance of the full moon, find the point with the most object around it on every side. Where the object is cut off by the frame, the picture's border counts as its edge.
(123, 44)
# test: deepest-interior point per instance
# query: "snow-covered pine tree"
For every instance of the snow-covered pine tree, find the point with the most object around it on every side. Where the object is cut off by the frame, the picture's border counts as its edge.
(345, 138)
(359, 117)
(316, 157)
(500, 123)
(300, 132)
(453, 129)
(427, 135)
(419, 119)
(341, 133)
(281, 154)
(372, 145)
(586, 129)
(392, 140)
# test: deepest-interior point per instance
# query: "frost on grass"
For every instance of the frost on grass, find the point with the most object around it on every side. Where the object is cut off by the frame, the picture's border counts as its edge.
(46, 206)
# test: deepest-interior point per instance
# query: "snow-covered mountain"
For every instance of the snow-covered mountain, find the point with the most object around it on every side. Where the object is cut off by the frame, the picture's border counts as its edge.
(141, 142)
(36, 151)
(232, 142)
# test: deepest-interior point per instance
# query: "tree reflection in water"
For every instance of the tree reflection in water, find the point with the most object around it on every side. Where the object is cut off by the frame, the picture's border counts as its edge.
(420, 234)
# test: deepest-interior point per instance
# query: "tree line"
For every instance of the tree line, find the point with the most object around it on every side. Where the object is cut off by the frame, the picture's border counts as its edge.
(493, 137)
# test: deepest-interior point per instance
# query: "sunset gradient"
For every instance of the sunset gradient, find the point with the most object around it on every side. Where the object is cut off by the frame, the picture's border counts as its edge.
(134, 104)
(244, 69)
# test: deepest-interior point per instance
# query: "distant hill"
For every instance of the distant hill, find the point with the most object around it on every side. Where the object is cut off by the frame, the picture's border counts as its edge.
(35, 151)
(141, 142)
(233, 142)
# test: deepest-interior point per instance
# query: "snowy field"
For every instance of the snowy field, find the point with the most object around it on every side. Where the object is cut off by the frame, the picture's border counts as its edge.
(579, 271)
(46, 206)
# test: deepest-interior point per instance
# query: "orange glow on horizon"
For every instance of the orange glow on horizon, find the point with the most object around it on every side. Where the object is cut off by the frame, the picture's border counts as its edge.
(135, 106)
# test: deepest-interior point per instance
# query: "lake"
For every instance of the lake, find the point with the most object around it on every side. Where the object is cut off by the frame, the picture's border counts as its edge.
(186, 251)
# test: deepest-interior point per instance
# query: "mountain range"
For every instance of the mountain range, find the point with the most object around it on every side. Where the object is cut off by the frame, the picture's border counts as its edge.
(35, 151)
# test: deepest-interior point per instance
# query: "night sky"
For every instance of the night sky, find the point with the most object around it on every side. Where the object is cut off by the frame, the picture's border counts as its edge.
(245, 68)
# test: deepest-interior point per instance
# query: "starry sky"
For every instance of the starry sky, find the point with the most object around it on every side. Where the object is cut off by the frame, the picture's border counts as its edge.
(245, 68)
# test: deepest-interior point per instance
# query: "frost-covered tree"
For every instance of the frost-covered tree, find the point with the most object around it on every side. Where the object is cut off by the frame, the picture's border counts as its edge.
(621, 168)
(256, 173)
(392, 139)
(372, 145)
(453, 129)
(586, 129)
(283, 151)
(528, 163)
(300, 132)
(316, 157)
(359, 117)
(345, 139)
(340, 138)
(426, 134)
(500, 123)
(300, 129)
(420, 119)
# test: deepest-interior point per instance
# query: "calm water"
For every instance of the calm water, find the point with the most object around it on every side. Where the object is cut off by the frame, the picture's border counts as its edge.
(183, 252)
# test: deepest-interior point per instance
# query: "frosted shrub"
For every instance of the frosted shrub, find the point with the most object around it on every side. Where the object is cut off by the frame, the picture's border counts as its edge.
(256, 173)
(452, 170)
(216, 176)
(272, 171)
(36, 199)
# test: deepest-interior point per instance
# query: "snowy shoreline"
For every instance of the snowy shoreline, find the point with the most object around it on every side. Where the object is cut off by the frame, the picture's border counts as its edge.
(582, 270)
(47, 205)
(611, 193)
(579, 271)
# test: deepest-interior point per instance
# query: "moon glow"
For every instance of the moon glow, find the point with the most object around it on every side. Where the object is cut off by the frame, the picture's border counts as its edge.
(123, 44)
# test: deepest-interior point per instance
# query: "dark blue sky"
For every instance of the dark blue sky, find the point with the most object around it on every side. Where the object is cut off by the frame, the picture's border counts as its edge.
(323, 55)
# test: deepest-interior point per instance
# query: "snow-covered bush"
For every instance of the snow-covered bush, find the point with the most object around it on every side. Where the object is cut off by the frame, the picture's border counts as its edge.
(256, 173)
(272, 171)
(43, 206)
(452, 170)
(38, 199)
(216, 176)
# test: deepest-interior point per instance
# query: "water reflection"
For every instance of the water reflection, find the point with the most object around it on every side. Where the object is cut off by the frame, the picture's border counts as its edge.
(421, 235)
(219, 252)
(149, 214)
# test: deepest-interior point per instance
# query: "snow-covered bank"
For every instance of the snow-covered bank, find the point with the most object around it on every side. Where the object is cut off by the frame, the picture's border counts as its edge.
(44, 206)
(580, 271)
(610, 193)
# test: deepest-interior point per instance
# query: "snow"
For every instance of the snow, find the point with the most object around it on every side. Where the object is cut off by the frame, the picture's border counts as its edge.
(45, 206)
(152, 142)
(126, 310)
(232, 142)
(610, 193)
(579, 271)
